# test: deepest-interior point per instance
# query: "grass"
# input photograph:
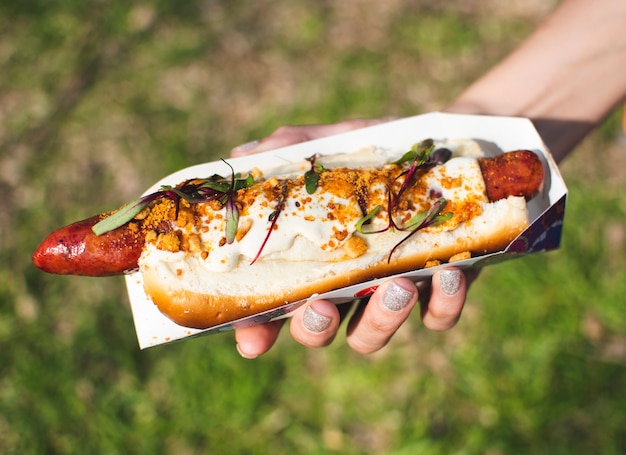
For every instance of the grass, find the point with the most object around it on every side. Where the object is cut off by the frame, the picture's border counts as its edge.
(98, 100)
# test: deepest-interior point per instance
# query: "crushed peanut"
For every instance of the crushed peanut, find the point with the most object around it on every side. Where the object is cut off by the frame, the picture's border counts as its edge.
(244, 227)
(355, 246)
(432, 263)
(460, 256)
(169, 241)
(256, 173)
(192, 243)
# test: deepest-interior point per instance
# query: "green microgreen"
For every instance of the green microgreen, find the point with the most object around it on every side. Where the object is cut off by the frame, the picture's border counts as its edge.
(121, 217)
(422, 155)
(312, 176)
(232, 220)
(429, 217)
(418, 152)
(366, 219)
(214, 188)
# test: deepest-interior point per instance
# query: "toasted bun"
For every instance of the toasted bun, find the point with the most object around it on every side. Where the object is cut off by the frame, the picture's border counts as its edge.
(193, 297)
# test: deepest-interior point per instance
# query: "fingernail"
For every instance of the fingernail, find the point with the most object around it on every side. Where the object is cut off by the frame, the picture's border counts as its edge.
(244, 355)
(243, 148)
(396, 297)
(313, 321)
(450, 281)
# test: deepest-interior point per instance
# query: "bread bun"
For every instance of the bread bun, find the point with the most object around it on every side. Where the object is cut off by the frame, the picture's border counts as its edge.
(310, 252)
(193, 298)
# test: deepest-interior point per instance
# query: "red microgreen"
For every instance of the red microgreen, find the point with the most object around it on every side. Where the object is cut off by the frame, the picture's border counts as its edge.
(419, 154)
(430, 217)
(272, 218)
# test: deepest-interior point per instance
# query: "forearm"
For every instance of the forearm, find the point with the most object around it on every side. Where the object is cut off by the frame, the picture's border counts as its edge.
(567, 77)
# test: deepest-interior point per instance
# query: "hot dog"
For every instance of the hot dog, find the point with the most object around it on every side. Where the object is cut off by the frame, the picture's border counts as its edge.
(214, 250)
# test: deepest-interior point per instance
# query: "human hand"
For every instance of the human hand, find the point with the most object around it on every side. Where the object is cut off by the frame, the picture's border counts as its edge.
(373, 324)
(289, 135)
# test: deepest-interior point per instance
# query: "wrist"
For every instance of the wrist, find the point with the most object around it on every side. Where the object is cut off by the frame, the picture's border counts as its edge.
(565, 78)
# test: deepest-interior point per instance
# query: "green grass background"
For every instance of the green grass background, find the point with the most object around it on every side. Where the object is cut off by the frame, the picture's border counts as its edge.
(100, 99)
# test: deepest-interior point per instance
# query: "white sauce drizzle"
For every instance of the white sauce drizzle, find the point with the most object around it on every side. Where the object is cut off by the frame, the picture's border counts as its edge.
(308, 222)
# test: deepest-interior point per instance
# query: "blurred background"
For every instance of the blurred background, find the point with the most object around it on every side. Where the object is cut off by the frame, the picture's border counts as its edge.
(100, 99)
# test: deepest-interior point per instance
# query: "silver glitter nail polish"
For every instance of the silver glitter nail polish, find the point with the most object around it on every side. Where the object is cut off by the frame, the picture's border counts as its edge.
(450, 281)
(314, 321)
(395, 297)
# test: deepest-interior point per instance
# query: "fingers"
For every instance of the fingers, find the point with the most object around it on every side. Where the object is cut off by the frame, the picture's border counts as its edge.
(442, 302)
(289, 135)
(313, 326)
(442, 310)
(316, 325)
(256, 340)
(374, 324)
(370, 328)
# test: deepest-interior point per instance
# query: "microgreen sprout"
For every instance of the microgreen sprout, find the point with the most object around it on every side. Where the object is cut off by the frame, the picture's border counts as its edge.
(430, 217)
(214, 188)
(272, 218)
(312, 176)
(421, 156)
(366, 219)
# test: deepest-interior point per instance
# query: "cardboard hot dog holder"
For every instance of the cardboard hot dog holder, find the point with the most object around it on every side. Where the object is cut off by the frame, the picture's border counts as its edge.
(546, 210)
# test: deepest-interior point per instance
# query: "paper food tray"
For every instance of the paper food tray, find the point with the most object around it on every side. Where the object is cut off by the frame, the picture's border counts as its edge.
(546, 211)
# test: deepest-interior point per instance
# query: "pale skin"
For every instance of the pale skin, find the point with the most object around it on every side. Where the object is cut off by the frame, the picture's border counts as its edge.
(566, 77)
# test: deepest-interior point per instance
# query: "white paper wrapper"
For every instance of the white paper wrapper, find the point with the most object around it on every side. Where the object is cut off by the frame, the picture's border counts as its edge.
(504, 133)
